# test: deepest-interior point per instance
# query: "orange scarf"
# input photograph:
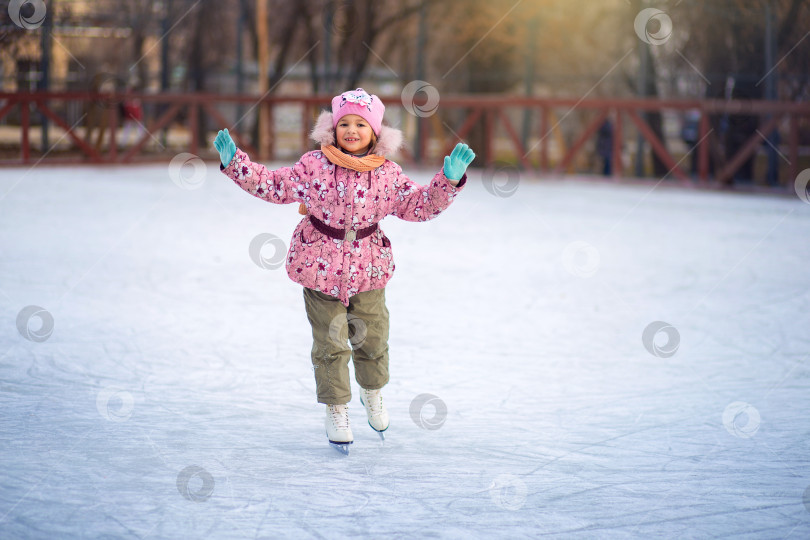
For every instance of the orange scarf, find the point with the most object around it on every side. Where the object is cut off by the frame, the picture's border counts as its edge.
(337, 157)
(365, 163)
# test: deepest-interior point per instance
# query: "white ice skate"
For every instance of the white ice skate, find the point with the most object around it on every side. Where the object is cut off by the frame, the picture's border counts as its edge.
(375, 409)
(337, 427)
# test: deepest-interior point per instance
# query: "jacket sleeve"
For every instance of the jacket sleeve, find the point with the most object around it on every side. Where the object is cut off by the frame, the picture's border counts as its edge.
(281, 186)
(413, 202)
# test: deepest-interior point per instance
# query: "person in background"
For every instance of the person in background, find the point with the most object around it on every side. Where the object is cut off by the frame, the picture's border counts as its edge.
(604, 146)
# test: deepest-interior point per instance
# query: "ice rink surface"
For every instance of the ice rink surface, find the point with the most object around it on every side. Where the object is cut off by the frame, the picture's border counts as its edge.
(569, 359)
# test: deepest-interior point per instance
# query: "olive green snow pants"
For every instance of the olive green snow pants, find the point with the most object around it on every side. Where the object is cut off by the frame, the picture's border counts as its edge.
(364, 324)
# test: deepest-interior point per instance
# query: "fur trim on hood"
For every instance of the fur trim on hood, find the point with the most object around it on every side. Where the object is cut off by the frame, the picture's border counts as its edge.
(388, 142)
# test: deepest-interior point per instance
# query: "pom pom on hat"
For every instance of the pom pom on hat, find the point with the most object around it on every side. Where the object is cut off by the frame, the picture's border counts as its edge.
(360, 103)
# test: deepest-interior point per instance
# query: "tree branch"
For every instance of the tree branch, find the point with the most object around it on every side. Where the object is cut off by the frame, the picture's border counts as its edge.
(786, 28)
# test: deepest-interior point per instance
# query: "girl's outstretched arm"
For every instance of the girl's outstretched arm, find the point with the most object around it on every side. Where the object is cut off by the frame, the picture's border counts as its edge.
(281, 186)
(413, 202)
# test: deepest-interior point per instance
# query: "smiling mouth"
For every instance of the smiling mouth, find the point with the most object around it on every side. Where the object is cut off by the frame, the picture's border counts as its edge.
(351, 140)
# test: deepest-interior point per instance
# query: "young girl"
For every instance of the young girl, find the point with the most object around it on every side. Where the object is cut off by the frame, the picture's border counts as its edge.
(338, 252)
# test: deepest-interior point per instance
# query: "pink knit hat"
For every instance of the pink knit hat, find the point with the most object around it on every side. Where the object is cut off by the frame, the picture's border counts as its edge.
(360, 103)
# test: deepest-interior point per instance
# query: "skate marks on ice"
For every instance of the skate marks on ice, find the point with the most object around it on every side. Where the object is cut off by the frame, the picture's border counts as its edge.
(173, 397)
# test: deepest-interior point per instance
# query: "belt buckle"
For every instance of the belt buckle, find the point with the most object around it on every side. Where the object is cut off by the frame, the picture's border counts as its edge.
(350, 235)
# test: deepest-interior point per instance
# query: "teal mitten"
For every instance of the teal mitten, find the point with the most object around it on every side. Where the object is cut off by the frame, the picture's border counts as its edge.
(225, 146)
(456, 163)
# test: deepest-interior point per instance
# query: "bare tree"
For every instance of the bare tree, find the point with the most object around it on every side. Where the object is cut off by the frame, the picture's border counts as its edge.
(139, 17)
(727, 43)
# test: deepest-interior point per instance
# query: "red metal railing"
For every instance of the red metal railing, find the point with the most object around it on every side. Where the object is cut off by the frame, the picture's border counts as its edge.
(486, 112)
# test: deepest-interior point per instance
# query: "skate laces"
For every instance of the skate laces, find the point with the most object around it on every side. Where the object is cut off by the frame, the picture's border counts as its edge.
(373, 400)
(339, 415)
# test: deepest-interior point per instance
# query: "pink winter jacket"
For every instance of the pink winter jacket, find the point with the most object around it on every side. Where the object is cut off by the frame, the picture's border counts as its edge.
(344, 199)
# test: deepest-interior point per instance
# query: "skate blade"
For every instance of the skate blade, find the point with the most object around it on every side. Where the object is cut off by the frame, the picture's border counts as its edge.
(380, 433)
(342, 447)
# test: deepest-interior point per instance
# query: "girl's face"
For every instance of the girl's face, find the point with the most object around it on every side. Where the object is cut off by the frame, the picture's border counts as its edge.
(353, 134)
